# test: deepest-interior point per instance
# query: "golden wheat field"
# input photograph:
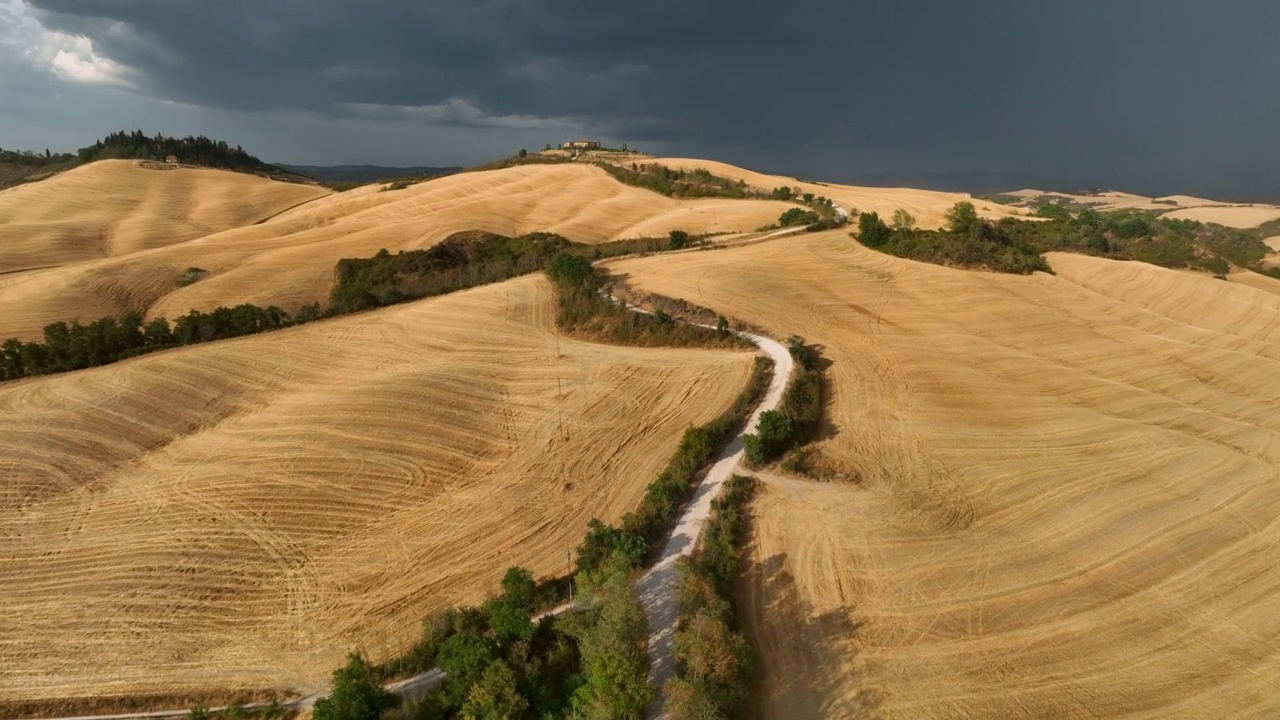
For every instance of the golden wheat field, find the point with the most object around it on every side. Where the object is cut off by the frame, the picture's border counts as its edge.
(1059, 493)
(239, 515)
(928, 207)
(289, 260)
(116, 207)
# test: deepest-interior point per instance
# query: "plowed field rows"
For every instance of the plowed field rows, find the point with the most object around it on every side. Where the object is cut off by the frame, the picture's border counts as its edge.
(1062, 496)
(241, 514)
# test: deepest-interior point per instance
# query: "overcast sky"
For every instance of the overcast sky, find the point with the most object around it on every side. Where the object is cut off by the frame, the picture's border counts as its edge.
(1150, 95)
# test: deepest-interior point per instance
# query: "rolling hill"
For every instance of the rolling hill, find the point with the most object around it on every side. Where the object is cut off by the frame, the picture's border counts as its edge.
(239, 515)
(1047, 495)
(1060, 492)
(288, 258)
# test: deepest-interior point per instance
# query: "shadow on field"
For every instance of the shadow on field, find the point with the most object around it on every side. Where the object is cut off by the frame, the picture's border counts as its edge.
(826, 427)
(803, 656)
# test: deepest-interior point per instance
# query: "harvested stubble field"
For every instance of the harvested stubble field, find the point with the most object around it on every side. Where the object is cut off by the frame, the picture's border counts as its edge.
(1065, 490)
(116, 207)
(289, 259)
(929, 207)
(241, 514)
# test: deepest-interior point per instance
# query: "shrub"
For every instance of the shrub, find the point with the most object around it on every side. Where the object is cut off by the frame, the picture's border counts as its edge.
(191, 276)
(356, 694)
(1053, 211)
(774, 436)
(679, 240)
(962, 219)
(715, 661)
(872, 231)
(796, 216)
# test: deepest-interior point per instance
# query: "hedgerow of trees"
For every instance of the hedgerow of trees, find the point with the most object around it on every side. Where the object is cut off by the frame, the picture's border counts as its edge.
(464, 260)
(715, 663)
(194, 150)
(1015, 245)
(591, 660)
(967, 241)
(586, 310)
(642, 530)
(677, 183)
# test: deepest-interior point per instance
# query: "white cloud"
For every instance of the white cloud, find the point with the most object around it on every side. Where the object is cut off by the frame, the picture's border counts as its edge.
(70, 57)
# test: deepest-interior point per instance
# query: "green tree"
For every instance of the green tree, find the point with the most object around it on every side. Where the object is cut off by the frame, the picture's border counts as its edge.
(872, 231)
(797, 216)
(496, 696)
(1053, 211)
(611, 637)
(962, 219)
(518, 586)
(356, 694)
(774, 436)
(722, 326)
(464, 656)
(679, 240)
(903, 221)
(510, 621)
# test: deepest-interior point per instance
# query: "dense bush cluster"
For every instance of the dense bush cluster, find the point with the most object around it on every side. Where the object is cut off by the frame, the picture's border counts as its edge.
(498, 661)
(1013, 245)
(587, 311)
(72, 346)
(198, 150)
(677, 183)
(1134, 235)
(966, 242)
(798, 418)
(461, 261)
(715, 661)
(796, 216)
(464, 260)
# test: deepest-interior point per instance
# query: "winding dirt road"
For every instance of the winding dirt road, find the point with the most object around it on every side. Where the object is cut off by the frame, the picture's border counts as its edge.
(657, 589)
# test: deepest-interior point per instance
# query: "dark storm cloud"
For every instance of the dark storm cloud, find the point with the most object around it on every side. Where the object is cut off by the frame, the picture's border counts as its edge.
(1165, 95)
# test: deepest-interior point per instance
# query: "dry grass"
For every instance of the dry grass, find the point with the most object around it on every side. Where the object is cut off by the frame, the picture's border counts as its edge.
(1068, 494)
(289, 261)
(927, 206)
(117, 207)
(240, 514)
(1236, 216)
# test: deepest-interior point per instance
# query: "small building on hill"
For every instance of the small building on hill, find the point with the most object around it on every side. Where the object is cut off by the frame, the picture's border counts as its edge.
(171, 159)
(581, 145)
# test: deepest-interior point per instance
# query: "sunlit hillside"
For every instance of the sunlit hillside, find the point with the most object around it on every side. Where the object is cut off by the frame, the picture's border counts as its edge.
(239, 515)
(289, 260)
(1055, 496)
(117, 207)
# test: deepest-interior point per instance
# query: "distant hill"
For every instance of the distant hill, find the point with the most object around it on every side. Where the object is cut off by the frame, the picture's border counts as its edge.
(365, 173)
(18, 167)
(23, 166)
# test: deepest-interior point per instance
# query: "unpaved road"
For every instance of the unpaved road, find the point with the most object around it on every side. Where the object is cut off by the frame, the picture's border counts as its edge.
(657, 589)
